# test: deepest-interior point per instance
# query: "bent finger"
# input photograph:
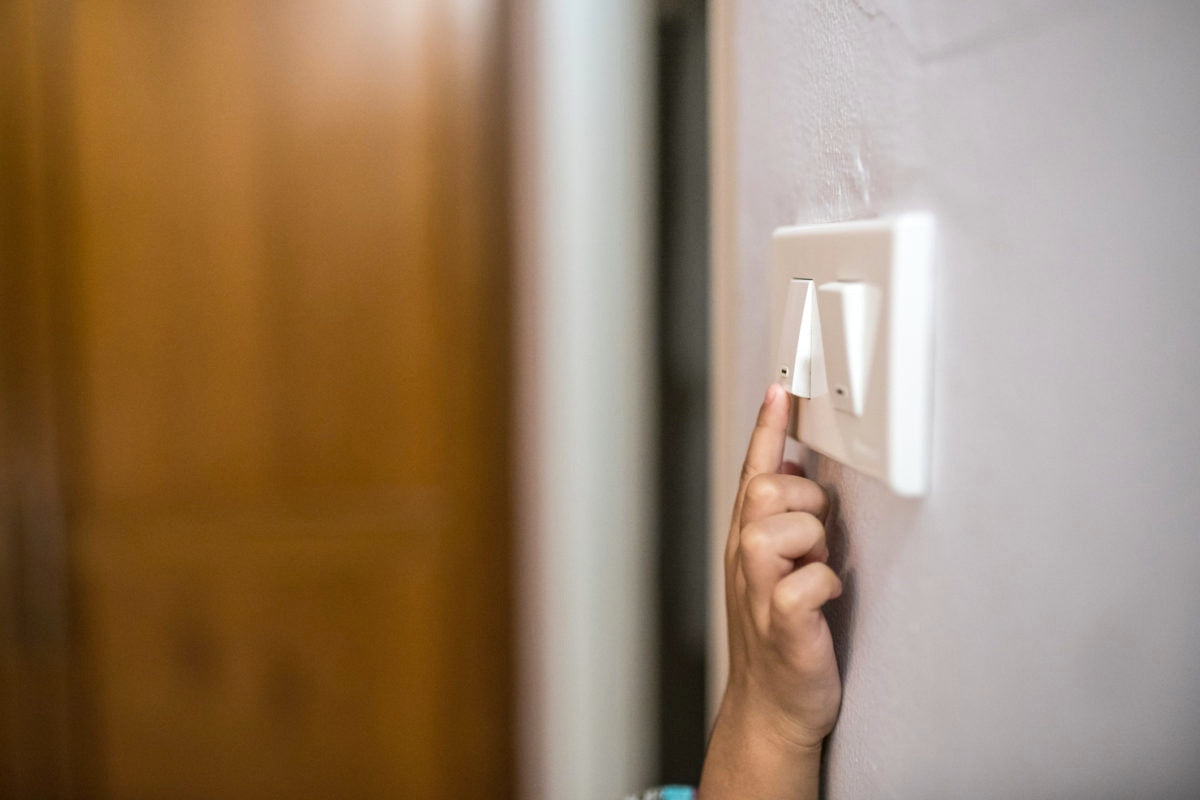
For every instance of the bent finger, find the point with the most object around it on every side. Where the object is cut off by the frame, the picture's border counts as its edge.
(766, 495)
(769, 552)
(797, 599)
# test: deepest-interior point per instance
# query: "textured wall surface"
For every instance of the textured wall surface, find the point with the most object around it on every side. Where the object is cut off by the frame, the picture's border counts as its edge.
(1032, 628)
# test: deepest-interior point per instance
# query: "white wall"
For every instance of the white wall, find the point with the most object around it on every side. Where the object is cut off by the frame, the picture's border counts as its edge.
(1032, 628)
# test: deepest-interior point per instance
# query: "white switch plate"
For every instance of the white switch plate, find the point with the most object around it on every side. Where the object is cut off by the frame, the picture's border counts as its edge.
(894, 256)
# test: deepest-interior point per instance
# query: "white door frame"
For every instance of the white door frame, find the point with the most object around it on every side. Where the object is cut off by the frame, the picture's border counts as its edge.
(585, 545)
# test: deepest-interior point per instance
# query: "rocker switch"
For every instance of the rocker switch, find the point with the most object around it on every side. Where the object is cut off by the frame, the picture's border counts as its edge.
(793, 362)
(849, 312)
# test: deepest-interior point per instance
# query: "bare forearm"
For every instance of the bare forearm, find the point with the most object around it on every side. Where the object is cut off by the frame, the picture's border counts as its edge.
(747, 761)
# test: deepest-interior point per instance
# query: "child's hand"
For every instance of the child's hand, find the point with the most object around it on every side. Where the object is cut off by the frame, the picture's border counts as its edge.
(783, 692)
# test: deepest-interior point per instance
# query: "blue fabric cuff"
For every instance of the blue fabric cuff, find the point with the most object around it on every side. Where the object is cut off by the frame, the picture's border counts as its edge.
(667, 793)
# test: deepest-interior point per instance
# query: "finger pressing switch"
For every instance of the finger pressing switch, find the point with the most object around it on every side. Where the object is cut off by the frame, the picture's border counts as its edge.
(849, 312)
(794, 353)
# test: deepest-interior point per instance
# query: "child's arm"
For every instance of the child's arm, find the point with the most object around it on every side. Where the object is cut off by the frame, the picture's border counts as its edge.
(783, 692)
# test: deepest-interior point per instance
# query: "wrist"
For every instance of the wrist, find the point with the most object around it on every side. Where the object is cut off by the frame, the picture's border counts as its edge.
(752, 756)
(760, 716)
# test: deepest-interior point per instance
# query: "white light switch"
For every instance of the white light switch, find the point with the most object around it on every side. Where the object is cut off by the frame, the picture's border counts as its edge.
(793, 358)
(870, 311)
(849, 313)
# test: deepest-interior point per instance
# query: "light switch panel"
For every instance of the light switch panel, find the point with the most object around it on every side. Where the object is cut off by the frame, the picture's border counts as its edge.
(870, 381)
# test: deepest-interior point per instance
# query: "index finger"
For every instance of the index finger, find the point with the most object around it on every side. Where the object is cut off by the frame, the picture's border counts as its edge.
(765, 452)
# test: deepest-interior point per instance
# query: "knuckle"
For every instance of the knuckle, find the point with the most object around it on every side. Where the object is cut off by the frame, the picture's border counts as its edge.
(813, 528)
(822, 498)
(812, 495)
(754, 541)
(803, 591)
(805, 530)
(762, 491)
(787, 598)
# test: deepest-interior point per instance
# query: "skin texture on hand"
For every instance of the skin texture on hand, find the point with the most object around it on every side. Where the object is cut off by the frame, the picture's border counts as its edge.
(784, 692)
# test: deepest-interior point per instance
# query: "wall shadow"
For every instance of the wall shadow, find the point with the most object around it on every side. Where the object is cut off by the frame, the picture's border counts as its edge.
(839, 613)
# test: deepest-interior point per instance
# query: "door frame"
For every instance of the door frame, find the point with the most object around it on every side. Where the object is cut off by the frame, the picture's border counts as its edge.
(585, 546)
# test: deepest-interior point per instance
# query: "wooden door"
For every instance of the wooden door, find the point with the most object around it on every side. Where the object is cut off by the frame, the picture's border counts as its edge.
(277, 292)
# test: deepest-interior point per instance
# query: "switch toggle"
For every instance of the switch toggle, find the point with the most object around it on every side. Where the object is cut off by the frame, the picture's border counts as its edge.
(849, 312)
(793, 361)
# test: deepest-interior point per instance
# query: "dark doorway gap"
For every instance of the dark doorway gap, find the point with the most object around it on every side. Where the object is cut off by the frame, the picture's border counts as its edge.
(683, 353)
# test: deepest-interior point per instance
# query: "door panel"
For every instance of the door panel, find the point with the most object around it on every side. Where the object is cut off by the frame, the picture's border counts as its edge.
(263, 655)
(282, 316)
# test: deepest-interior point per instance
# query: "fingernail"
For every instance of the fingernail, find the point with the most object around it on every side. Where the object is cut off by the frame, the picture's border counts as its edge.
(772, 392)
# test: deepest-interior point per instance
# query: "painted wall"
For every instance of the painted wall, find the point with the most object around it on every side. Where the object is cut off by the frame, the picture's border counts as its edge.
(1031, 629)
